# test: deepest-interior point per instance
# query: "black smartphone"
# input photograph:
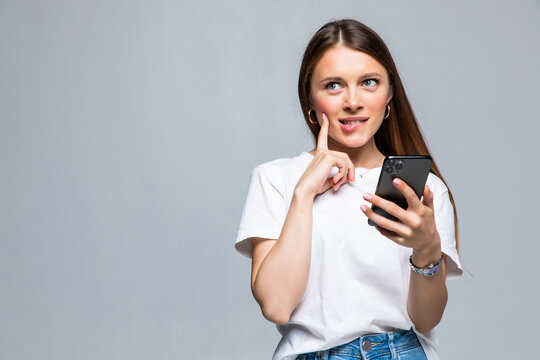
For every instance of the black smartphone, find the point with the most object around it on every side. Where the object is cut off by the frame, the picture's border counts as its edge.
(413, 169)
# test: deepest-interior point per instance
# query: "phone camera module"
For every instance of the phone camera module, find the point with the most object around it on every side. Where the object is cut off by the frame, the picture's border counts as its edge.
(399, 165)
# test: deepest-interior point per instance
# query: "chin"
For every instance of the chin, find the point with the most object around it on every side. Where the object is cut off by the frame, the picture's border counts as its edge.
(353, 140)
(354, 143)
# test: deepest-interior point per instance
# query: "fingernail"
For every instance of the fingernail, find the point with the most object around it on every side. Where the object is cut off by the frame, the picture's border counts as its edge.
(397, 182)
(324, 116)
(367, 196)
(363, 208)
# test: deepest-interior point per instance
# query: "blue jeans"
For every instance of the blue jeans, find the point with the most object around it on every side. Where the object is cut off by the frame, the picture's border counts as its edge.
(402, 344)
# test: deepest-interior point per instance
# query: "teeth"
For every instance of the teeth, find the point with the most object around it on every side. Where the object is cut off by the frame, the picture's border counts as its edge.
(350, 123)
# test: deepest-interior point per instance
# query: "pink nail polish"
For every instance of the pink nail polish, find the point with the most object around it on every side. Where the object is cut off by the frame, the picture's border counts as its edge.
(367, 196)
(397, 182)
(363, 208)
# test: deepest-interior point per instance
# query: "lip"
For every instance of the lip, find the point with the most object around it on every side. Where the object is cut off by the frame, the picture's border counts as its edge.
(354, 118)
(355, 126)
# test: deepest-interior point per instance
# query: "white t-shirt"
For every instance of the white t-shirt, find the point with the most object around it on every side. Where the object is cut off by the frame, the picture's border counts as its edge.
(358, 279)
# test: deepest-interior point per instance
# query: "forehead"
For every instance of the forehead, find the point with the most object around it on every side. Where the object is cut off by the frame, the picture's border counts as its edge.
(341, 61)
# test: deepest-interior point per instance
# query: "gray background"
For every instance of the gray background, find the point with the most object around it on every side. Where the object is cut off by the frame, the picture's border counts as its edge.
(129, 129)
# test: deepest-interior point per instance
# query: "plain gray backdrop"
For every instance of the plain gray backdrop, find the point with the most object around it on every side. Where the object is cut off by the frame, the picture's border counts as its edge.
(128, 130)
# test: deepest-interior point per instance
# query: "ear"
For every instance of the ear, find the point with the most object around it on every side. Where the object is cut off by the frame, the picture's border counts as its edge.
(390, 94)
(310, 101)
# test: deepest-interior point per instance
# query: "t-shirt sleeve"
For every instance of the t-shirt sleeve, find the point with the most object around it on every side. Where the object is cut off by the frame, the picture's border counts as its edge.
(264, 211)
(444, 220)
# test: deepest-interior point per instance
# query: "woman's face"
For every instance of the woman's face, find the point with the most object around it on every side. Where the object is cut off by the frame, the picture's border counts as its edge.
(352, 89)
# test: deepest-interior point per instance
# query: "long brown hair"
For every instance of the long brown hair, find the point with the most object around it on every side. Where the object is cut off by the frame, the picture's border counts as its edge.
(399, 134)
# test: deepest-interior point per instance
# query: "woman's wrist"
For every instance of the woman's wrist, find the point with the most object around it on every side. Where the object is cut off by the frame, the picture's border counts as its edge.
(427, 255)
(301, 194)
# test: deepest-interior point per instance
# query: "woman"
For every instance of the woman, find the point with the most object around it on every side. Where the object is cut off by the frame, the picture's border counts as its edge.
(336, 287)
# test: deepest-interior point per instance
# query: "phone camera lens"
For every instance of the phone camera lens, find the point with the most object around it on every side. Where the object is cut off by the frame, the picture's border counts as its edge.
(390, 162)
(389, 169)
(399, 165)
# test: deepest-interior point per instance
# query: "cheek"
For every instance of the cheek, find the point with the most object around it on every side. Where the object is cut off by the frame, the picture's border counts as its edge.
(379, 102)
(324, 105)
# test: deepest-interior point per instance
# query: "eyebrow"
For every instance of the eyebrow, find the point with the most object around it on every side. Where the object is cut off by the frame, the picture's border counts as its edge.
(365, 76)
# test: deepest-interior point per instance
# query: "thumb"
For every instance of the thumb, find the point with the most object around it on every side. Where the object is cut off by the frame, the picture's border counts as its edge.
(428, 197)
(327, 185)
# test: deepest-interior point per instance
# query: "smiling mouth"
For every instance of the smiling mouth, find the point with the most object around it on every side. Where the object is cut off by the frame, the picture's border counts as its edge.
(352, 122)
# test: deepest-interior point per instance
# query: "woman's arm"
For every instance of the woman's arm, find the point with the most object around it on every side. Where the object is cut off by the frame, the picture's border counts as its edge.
(427, 294)
(416, 229)
(280, 269)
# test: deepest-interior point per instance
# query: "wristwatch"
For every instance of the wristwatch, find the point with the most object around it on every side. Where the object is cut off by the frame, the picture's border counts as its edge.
(429, 270)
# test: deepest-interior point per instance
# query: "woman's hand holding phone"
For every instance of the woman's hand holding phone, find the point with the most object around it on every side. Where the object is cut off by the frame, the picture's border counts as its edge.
(416, 226)
(315, 179)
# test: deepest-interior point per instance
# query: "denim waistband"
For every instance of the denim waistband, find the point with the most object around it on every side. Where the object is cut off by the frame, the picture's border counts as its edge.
(388, 344)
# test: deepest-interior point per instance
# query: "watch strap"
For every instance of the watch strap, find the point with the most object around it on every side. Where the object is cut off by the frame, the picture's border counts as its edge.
(429, 270)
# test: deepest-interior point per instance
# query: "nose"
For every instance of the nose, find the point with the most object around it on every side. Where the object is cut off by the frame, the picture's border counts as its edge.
(353, 100)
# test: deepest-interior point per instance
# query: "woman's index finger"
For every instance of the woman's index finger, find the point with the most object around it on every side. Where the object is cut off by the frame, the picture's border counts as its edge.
(408, 193)
(322, 141)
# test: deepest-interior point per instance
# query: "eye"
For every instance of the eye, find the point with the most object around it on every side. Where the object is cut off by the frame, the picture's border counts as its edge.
(370, 82)
(333, 85)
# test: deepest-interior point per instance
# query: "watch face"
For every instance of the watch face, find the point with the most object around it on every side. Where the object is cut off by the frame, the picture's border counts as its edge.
(432, 271)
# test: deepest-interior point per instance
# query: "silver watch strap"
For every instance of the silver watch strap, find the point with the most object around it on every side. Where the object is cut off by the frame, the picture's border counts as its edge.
(430, 270)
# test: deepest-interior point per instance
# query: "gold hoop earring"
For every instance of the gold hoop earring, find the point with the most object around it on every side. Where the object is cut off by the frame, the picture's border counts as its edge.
(387, 115)
(309, 118)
